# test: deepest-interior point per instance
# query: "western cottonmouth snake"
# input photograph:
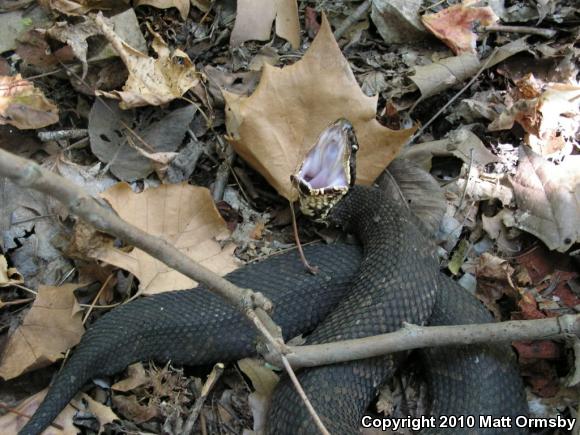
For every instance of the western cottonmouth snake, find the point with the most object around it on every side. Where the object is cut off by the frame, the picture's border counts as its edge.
(396, 280)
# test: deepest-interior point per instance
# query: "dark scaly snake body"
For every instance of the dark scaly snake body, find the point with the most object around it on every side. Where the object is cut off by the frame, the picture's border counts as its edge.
(397, 281)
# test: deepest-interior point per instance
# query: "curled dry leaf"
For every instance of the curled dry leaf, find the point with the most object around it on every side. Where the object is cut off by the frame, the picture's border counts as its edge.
(8, 275)
(183, 215)
(254, 20)
(460, 143)
(439, 76)
(24, 106)
(550, 115)
(548, 199)
(75, 36)
(136, 377)
(152, 81)
(11, 423)
(264, 381)
(275, 127)
(181, 5)
(48, 330)
(454, 26)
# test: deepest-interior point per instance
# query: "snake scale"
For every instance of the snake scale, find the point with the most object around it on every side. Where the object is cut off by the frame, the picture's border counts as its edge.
(395, 279)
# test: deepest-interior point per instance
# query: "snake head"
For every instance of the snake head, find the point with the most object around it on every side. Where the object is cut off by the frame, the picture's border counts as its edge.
(328, 171)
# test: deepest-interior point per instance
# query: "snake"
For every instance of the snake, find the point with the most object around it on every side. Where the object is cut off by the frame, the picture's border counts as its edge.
(359, 291)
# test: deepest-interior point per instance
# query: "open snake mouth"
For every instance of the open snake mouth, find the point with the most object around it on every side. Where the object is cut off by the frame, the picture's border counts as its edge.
(328, 170)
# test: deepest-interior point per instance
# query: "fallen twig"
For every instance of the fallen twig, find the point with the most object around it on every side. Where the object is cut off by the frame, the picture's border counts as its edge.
(213, 377)
(304, 398)
(78, 133)
(28, 174)
(253, 305)
(351, 19)
(546, 33)
(413, 337)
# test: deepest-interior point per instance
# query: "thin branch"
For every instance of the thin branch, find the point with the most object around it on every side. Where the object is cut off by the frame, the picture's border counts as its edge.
(302, 394)
(26, 173)
(352, 19)
(78, 133)
(413, 337)
(546, 33)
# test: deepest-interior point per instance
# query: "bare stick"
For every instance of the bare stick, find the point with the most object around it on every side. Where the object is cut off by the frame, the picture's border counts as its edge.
(46, 136)
(26, 173)
(546, 33)
(213, 377)
(304, 398)
(352, 19)
(414, 337)
(223, 173)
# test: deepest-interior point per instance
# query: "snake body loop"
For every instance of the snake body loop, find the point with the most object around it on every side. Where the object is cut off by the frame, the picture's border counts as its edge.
(395, 280)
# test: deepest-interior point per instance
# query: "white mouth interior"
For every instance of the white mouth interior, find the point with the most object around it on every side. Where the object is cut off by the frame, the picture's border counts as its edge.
(324, 166)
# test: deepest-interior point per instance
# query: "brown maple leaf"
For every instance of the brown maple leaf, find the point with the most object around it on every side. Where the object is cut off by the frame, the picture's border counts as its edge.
(275, 127)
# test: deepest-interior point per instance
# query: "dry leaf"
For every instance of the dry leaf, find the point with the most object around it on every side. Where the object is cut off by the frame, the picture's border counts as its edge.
(130, 154)
(183, 215)
(136, 376)
(254, 20)
(131, 408)
(548, 199)
(11, 423)
(75, 36)
(460, 143)
(8, 275)
(276, 126)
(181, 5)
(47, 330)
(439, 76)
(454, 26)
(264, 380)
(398, 21)
(550, 116)
(417, 189)
(24, 106)
(152, 81)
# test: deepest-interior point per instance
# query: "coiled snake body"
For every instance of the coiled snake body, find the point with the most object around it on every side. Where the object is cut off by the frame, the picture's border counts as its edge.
(395, 280)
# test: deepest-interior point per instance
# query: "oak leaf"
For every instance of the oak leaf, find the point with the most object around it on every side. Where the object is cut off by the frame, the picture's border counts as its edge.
(183, 215)
(275, 127)
(48, 330)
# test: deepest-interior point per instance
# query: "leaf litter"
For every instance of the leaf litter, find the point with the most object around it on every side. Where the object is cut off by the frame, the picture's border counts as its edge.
(495, 177)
